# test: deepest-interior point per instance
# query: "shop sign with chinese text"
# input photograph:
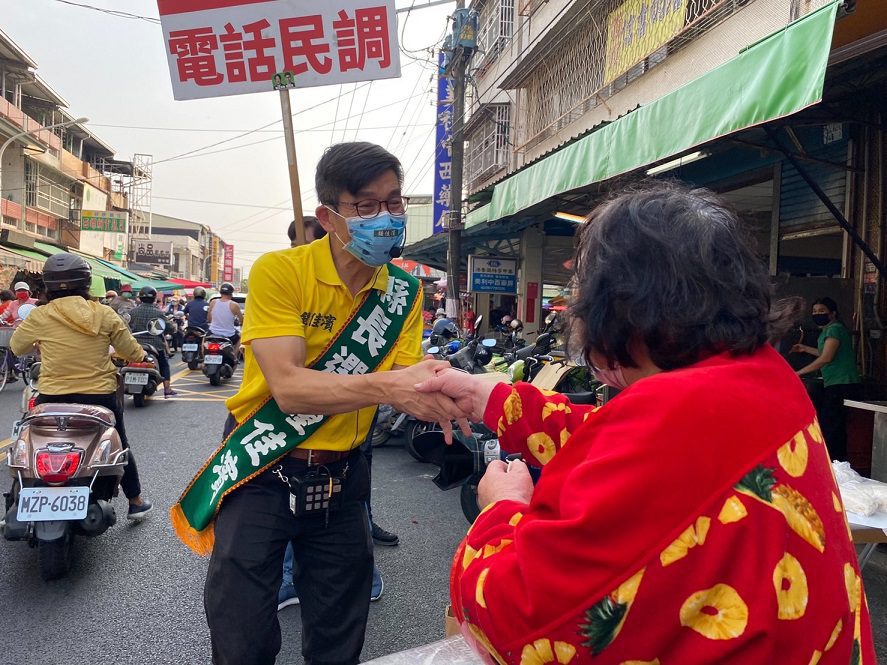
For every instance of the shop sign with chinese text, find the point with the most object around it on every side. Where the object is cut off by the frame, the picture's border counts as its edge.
(109, 221)
(231, 47)
(491, 275)
(152, 252)
(637, 28)
(443, 143)
(228, 263)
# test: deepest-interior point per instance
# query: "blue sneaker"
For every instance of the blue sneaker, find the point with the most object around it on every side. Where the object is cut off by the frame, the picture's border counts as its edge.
(139, 512)
(378, 585)
(287, 596)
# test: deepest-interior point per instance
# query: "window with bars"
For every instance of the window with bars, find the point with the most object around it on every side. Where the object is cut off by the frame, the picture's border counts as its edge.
(573, 78)
(45, 193)
(489, 145)
(496, 25)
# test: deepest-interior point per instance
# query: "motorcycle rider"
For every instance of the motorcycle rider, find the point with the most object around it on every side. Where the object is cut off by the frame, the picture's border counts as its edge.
(139, 318)
(122, 303)
(195, 311)
(22, 297)
(224, 316)
(74, 334)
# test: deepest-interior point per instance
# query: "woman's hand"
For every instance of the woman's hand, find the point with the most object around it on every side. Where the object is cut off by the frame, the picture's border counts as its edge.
(505, 482)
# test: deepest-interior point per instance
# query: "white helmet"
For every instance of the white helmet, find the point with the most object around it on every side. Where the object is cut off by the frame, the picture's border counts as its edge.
(21, 286)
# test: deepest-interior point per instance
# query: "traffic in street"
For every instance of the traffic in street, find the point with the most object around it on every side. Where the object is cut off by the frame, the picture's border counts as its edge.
(135, 594)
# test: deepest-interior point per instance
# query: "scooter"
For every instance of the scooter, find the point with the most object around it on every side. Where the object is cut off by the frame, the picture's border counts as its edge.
(140, 379)
(192, 345)
(66, 462)
(219, 359)
(30, 370)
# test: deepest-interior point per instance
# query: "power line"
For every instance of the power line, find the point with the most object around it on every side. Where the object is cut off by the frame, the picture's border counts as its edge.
(113, 12)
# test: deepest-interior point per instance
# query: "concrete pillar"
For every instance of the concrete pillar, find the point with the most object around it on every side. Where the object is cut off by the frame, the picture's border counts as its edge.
(529, 284)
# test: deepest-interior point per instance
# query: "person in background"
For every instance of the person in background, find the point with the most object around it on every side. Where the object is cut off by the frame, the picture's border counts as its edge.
(22, 297)
(74, 334)
(313, 230)
(110, 294)
(836, 361)
(224, 317)
(139, 319)
(468, 318)
(123, 303)
(694, 518)
(195, 311)
(6, 298)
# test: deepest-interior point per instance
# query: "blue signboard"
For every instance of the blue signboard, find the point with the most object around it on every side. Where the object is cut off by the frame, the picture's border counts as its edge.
(492, 275)
(442, 147)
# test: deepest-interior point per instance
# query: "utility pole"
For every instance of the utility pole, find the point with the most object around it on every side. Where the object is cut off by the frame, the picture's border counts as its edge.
(454, 248)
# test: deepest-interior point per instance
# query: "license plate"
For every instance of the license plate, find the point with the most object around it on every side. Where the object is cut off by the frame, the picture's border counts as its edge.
(135, 379)
(16, 429)
(41, 504)
(189, 347)
(212, 360)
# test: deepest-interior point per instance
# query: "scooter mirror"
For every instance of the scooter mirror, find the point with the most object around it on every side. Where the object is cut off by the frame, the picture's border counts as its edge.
(550, 318)
(24, 310)
(433, 350)
(156, 326)
(489, 343)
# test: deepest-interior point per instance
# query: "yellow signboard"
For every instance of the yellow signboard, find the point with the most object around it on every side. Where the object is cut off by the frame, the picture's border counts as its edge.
(214, 269)
(637, 28)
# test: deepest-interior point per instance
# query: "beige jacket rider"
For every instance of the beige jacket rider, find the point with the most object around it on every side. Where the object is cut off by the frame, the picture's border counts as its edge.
(74, 336)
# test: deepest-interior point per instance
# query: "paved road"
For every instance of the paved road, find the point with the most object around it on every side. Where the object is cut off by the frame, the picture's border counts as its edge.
(135, 596)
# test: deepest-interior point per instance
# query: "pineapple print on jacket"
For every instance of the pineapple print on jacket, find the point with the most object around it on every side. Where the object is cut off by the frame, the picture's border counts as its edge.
(648, 542)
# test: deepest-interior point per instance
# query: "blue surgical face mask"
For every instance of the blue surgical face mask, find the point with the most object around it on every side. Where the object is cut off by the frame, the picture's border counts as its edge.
(373, 240)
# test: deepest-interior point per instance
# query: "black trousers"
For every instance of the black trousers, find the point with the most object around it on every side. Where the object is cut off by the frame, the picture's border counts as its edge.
(833, 417)
(130, 483)
(333, 570)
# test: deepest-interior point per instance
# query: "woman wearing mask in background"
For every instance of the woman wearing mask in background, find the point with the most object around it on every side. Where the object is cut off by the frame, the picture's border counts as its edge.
(837, 362)
(692, 519)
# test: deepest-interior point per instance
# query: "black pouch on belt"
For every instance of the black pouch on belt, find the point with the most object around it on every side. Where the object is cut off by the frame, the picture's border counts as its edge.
(316, 492)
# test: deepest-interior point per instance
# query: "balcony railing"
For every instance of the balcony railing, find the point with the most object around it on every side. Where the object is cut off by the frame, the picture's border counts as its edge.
(27, 124)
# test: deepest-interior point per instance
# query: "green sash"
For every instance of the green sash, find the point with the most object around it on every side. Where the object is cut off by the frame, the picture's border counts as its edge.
(266, 435)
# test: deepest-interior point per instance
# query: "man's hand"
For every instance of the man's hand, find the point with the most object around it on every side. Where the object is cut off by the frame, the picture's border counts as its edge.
(431, 406)
(468, 392)
(509, 482)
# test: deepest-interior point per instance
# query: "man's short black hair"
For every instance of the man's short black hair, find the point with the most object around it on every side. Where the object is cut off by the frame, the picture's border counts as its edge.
(83, 292)
(828, 303)
(6, 294)
(673, 268)
(311, 224)
(349, 167)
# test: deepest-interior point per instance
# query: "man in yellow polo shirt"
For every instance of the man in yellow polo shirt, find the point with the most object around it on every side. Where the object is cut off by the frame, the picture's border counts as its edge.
(300, 301)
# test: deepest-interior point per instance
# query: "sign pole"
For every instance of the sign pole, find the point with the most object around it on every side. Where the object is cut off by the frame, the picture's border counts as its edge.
(295, 190)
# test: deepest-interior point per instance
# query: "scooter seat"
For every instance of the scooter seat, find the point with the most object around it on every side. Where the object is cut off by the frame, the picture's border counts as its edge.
(582, 398)
(150, 348)
(106, 416)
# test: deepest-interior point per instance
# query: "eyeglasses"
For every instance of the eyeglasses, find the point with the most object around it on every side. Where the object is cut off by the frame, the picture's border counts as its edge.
(369, 208)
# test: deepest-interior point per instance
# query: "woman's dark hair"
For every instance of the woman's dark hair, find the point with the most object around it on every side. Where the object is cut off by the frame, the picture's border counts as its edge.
(6, 294)
(828, 303)
(349, 167)
(83, 292)
(311, 224)
(670, 267)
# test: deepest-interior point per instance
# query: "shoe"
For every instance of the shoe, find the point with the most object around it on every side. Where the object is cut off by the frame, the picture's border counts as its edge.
(287, 596)
(378, 585)
(169, 393)
(139, 512)
(385, 538)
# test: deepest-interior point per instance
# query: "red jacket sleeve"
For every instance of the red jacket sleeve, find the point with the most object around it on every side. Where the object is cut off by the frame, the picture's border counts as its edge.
(533, 422)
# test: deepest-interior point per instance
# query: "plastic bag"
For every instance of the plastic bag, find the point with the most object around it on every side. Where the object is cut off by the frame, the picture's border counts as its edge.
(451, 651)
(859, 493)
(857, 499)
(844, 474)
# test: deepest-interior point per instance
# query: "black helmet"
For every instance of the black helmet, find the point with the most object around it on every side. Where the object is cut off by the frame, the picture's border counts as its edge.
(65, 272)
(446, 329)
(199, 292)
(227, 289)
(147, 294)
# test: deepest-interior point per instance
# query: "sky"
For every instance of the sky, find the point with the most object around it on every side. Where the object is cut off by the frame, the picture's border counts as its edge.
(114, 71)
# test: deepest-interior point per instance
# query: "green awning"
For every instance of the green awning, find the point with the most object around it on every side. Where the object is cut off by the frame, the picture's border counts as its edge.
(137, 282)
(32, 261)
(775, 77)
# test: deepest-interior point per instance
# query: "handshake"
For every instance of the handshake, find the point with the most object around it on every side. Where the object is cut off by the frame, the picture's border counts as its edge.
(434, 391)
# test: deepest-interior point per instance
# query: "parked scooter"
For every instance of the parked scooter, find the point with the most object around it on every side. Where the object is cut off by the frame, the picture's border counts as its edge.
(192, 346)
(140, 379)
(219, 359)
(66, 461)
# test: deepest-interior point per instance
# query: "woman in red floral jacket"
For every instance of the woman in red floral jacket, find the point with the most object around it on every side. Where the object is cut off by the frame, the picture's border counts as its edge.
(692, 519)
